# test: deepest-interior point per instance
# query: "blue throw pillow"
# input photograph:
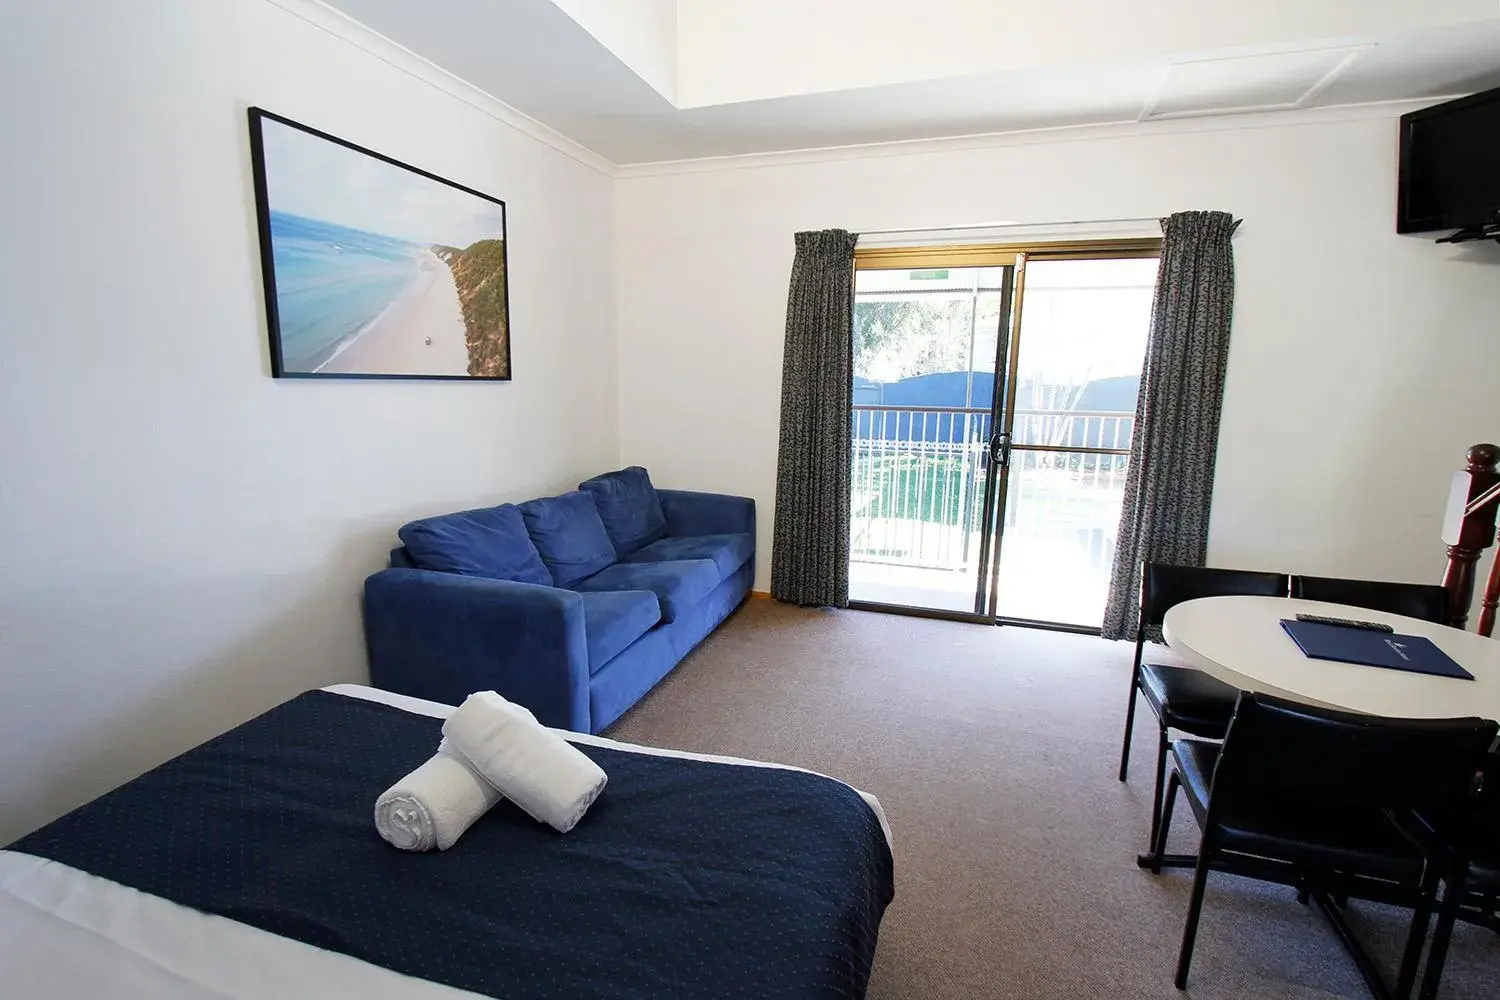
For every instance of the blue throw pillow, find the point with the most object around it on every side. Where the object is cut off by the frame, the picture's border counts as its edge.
(569, 535)
(629, 507)
(491, 542)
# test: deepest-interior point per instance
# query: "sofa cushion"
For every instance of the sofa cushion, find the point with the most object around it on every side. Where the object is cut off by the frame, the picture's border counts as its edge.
(629, 508)
(728, 552)
(613, 619)
(491, 542)
(569, 535)
(677, 585)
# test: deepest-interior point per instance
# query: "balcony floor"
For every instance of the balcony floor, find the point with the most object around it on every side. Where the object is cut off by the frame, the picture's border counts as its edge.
(1042, 578)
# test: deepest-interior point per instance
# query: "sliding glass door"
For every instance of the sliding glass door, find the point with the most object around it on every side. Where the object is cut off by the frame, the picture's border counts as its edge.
(993, 408)
(926, 343)
(1070, 413)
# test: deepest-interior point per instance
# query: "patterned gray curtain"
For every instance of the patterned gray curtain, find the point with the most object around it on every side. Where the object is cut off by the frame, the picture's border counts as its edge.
(810, 557)
(1171, 476)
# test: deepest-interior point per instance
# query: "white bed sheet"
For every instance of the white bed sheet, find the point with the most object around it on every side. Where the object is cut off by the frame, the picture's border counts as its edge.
(66, 933)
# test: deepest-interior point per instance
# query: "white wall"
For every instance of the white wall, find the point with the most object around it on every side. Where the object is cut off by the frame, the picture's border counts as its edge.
(1361, 361)
(186, 537)
(758, 49)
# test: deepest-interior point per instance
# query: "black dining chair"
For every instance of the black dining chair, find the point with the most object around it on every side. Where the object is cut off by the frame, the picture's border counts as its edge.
(1309, 797)
(1428, 602)
(1182, 698)
(1469, 852)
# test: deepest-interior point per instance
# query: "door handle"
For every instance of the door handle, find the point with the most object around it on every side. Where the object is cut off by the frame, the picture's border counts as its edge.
(1000, 449)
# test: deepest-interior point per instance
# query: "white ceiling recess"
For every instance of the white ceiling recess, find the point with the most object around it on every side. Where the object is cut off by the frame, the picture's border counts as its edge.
(642, 33)
(746, 50)
(754, 76)
(1272, 81)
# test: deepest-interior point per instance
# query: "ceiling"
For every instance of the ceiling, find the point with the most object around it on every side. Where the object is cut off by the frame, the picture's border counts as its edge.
(533, 56)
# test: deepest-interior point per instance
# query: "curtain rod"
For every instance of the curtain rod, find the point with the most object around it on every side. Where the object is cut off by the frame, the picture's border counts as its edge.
(1000, 225)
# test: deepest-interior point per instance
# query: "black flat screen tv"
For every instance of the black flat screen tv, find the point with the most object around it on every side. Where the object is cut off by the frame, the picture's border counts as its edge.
(1450, 166)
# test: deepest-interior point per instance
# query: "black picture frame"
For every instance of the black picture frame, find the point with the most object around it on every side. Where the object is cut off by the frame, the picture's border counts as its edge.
(471, 265)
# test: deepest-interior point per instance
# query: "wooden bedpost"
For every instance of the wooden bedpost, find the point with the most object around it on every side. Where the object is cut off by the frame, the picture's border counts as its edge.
(1468, 534)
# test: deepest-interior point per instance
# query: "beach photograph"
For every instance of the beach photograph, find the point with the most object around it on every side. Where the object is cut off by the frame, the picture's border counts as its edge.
(374, 268)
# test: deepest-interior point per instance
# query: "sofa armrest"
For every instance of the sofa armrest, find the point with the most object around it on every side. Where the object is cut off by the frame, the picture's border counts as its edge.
(442, 636)
(690, 513)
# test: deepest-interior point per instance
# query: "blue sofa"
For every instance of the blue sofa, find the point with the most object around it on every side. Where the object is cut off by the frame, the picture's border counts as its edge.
(574, 606)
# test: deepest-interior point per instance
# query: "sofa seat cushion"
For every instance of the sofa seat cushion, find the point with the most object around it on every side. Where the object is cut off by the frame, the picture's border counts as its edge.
(729, 552)
(629, 508)
(678, 585)
(569, 535)
(491, 542)
(613, 619)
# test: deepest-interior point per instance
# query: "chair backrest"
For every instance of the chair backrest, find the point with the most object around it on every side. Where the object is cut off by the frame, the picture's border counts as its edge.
(1426, 601)
(1327, 756)
(1164, 586)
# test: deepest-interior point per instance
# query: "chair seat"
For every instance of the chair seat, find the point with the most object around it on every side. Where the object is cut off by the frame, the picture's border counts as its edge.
(1188, 699)
(1484, 874)
(1355, 841)
(1484, 861)
(1441, 832)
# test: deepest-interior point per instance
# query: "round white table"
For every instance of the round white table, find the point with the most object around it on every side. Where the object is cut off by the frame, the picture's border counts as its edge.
(1240, 641)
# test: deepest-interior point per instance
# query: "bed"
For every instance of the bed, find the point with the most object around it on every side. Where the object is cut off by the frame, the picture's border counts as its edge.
(249, 867)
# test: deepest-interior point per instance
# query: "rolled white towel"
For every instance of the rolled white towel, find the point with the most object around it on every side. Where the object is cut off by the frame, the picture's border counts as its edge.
(532, 766)
(433, 805)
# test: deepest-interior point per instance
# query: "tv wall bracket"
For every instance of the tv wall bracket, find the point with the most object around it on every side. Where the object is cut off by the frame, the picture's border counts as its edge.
(1487, 231)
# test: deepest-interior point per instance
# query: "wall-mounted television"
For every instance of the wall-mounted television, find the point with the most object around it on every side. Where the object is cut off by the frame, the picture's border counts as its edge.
(1450, 168)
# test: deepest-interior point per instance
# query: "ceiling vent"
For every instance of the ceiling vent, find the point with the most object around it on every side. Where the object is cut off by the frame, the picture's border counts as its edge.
(1276, 81)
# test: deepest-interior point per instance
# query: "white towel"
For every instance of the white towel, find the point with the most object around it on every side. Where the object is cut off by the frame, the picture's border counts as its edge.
(532, 766)
(433, 805)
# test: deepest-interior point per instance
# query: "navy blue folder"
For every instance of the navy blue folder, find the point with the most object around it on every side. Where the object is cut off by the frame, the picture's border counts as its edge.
(1395, 651)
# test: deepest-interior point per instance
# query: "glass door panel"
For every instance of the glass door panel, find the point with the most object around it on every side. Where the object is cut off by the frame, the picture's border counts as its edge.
(925, 352)
(1070, 411)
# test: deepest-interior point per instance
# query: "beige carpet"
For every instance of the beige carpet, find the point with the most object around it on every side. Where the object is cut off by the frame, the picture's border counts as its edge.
(994, 751)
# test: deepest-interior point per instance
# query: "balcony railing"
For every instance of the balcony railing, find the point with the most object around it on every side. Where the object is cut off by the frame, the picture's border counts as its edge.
(918, 482)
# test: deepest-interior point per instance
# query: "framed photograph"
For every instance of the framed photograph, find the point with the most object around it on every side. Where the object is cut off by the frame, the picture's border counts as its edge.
(374, 268)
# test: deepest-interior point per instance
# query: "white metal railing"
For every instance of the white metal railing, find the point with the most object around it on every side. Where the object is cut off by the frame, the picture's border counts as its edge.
(1074, 428)
(918, 477)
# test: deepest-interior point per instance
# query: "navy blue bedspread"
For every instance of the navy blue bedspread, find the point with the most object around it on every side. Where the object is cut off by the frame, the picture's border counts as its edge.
(685, 879)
